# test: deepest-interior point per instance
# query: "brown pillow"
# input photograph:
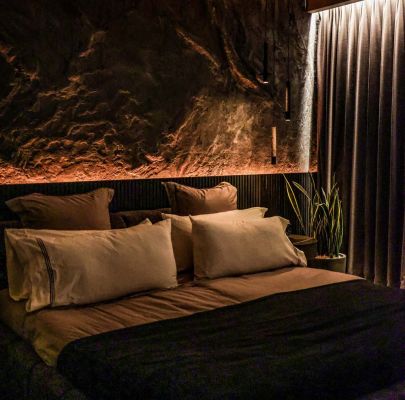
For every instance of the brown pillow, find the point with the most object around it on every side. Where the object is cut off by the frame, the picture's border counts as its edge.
(92, 266)
(182, 231)
(134, 217)
(185, 200)
(227, 248)
(80, 211)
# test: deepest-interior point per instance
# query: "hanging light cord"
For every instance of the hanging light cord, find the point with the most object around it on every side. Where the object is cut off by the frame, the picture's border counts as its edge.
(288, 39)
(287, 98)
(274, 43)
(265, 47)
(265, 20)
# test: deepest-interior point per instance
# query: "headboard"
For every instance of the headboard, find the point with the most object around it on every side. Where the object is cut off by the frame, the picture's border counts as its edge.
(148, 194)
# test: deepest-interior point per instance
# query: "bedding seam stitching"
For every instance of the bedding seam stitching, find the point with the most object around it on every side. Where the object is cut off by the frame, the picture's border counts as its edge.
(49, 270)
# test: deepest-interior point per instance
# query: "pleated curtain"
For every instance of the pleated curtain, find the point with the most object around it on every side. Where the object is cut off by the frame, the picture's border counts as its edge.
(361, 131)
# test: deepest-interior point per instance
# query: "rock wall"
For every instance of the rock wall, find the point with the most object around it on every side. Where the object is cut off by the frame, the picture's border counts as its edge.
(112, 89)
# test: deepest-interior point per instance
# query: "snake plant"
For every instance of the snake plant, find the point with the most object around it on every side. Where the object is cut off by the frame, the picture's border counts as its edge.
(325, 222)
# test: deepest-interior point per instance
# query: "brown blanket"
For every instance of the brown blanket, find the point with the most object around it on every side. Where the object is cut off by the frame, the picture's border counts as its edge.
(49, 330)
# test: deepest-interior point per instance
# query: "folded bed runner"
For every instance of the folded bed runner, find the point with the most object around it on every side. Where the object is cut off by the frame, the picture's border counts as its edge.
(336, 341)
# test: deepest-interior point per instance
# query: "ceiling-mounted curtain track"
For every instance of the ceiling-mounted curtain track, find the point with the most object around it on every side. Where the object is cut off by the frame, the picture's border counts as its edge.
(320, 5)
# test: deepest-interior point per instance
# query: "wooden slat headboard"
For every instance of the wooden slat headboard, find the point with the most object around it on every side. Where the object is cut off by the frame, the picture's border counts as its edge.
(253, 190)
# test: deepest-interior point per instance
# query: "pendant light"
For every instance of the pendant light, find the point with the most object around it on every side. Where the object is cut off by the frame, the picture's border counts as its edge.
(287, 94)
(265, 76)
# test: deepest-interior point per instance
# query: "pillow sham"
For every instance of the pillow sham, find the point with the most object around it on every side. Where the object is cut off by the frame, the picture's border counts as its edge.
(182, 228)
(19, 284)
(242, 247)
(98, 265)
(74, 212)
(186, 200)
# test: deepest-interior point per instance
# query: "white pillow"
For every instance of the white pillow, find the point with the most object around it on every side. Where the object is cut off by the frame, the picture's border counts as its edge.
(19, 285)
(182, 227)
(97, 265)
(242, 247)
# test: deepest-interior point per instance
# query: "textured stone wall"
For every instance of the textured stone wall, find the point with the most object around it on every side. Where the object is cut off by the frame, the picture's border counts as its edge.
(105, 89)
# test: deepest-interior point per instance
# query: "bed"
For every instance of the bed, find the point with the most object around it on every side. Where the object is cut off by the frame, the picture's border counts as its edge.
(293, 332)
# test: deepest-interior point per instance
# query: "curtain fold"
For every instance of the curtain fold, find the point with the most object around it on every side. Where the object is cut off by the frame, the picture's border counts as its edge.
(361, 130)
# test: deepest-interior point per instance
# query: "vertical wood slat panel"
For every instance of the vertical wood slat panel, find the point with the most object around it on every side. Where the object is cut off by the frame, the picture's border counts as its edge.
(253, 190)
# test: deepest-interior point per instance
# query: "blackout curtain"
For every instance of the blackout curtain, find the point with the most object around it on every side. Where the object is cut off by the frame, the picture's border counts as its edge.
(361, 130)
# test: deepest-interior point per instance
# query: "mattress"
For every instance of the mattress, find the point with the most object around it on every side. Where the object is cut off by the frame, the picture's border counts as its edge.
(50, 330)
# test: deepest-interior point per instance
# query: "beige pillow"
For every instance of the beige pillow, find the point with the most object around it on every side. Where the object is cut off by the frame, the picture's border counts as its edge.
(182, 227)
(98, 265)
(186, 200)
(75, 212)
(242, 247)
(19, 285)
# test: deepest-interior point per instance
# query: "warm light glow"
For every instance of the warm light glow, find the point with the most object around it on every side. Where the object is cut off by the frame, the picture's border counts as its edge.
(287, 99)
(197, 106)
(95, 173)
(229, 147)
(274, 141)
(307, 96)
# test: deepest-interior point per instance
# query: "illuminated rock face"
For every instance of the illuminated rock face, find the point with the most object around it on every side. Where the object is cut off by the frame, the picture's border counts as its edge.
(107, 89)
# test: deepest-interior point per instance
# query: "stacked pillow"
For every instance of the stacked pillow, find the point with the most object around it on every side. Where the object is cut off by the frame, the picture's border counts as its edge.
(58, 268)
(67, 253)
(71, 256)
(185, 200)
(75, 212)
(222, 240)
(225, 248)
(182, 231)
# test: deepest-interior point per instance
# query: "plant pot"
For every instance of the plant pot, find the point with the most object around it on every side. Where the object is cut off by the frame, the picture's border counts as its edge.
(337, 264)
(306, 244)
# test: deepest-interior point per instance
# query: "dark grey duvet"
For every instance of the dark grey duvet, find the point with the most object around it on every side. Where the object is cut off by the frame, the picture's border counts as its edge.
(332, 342)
